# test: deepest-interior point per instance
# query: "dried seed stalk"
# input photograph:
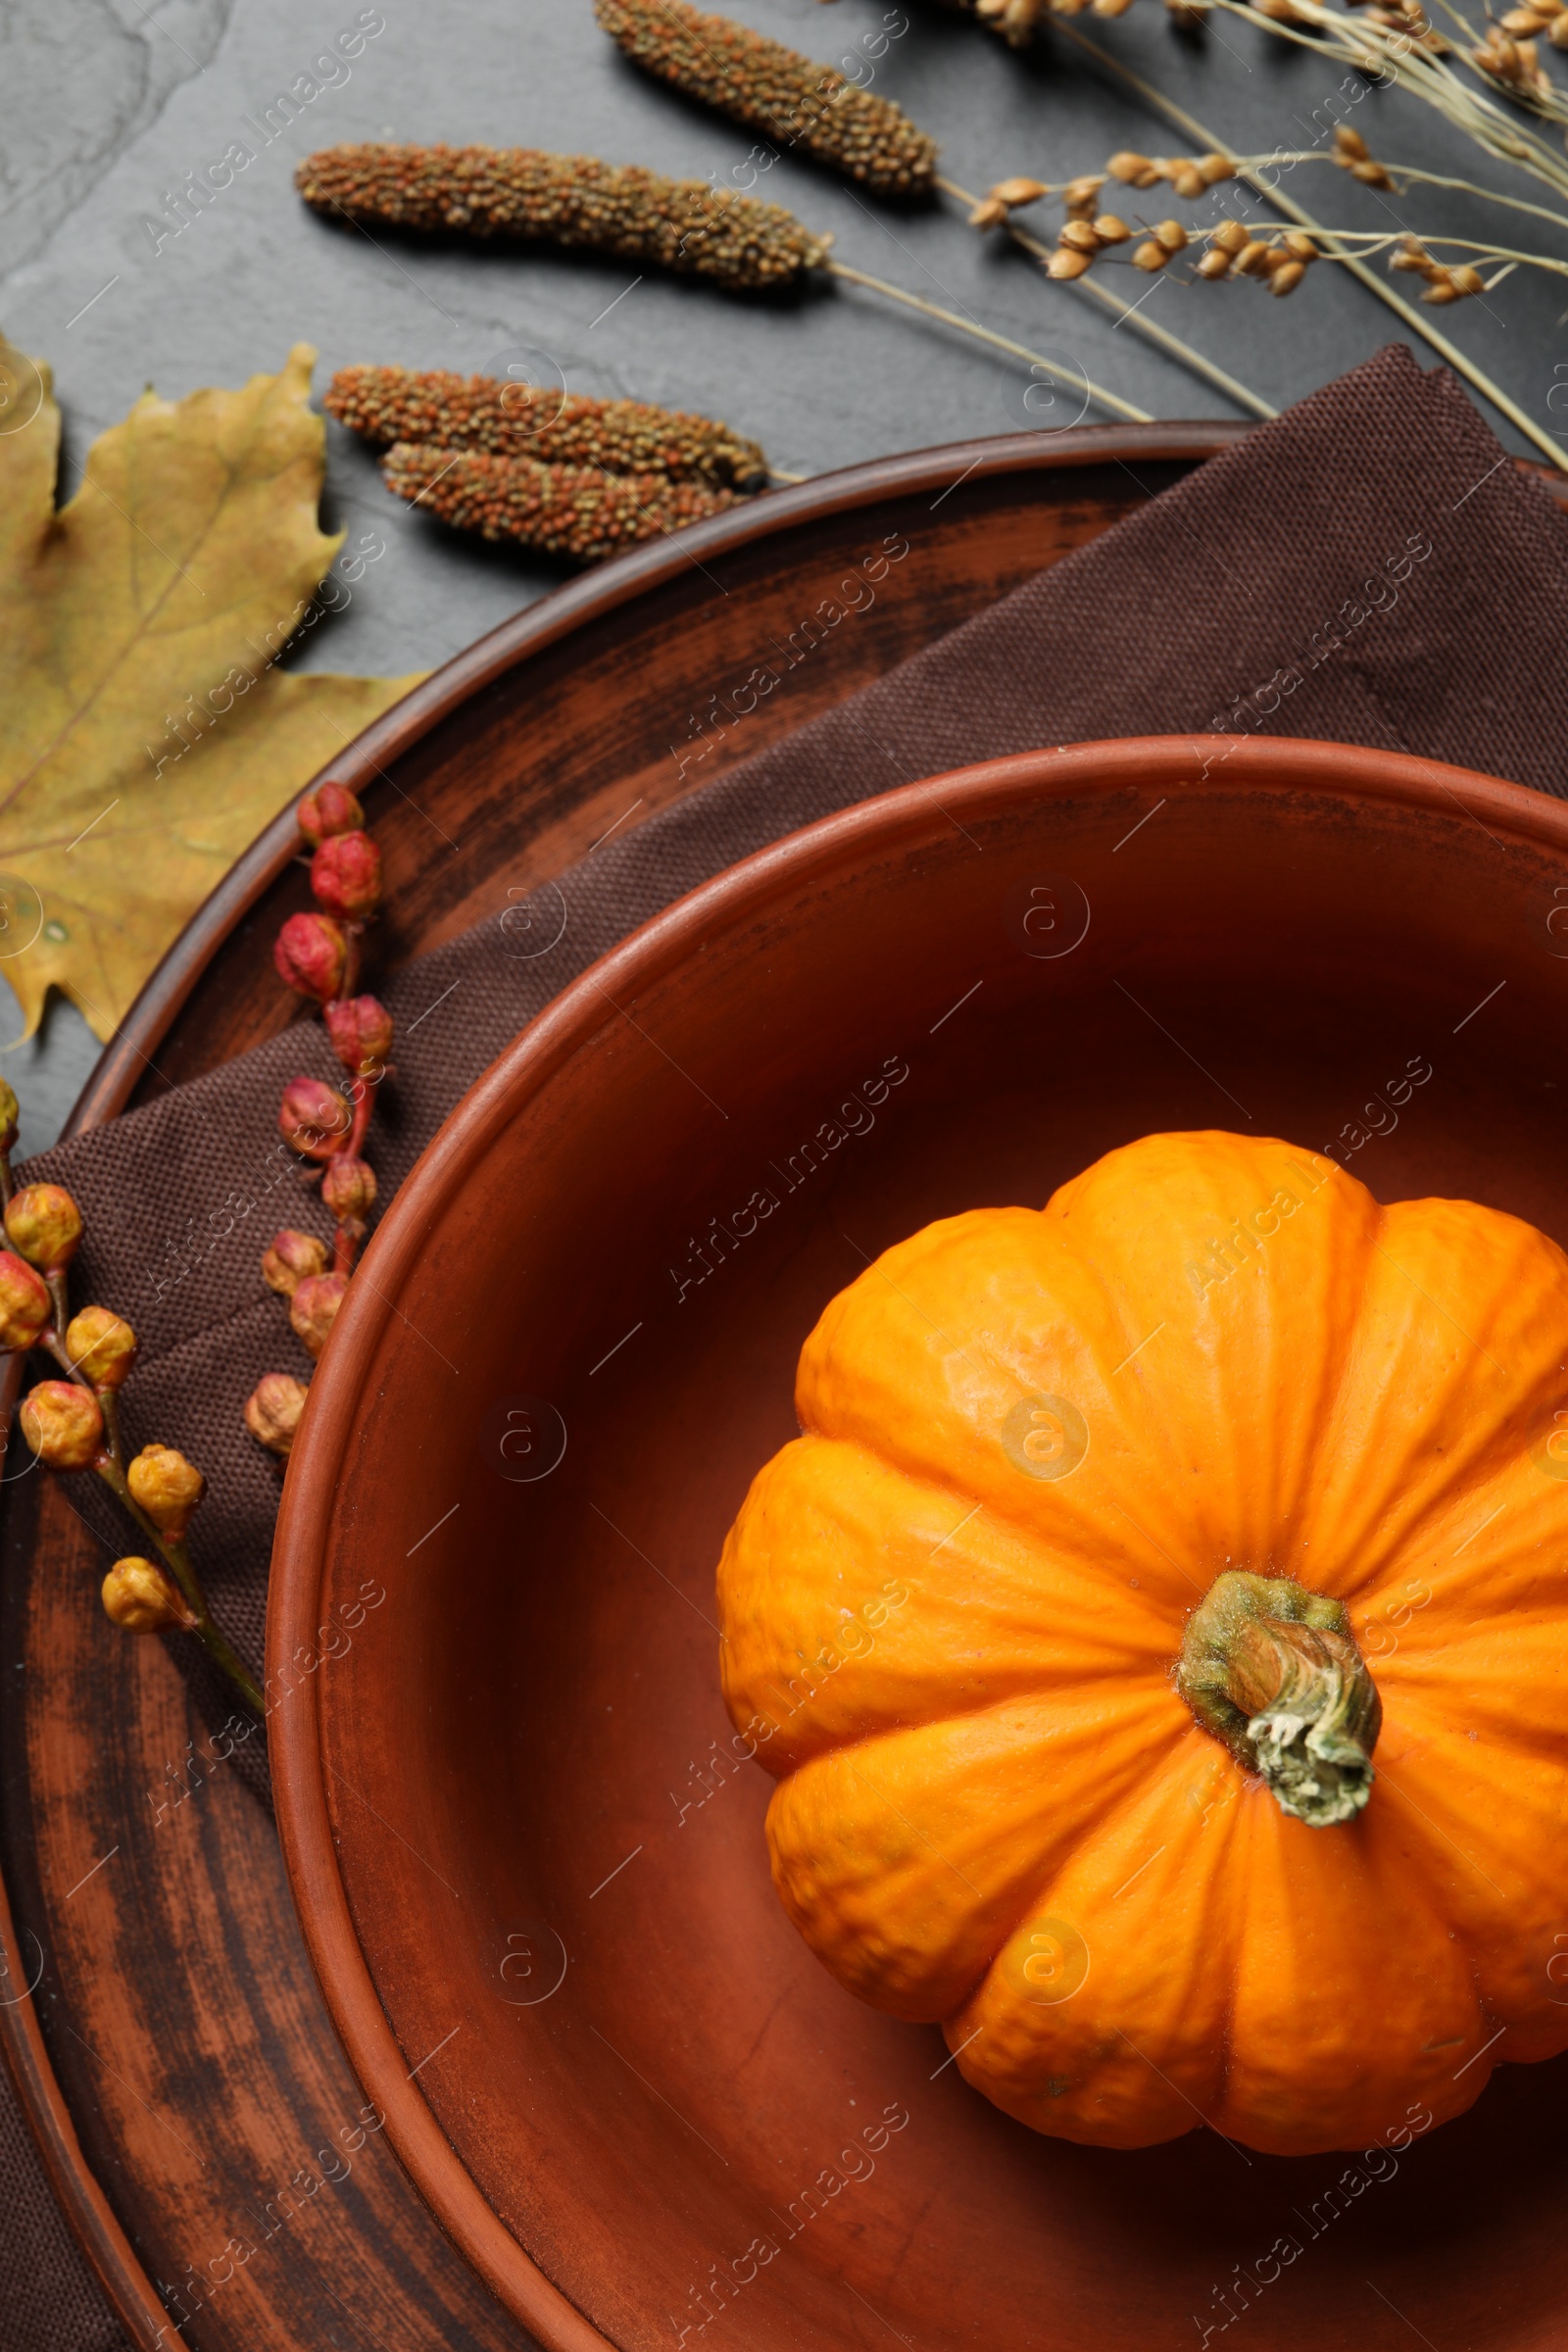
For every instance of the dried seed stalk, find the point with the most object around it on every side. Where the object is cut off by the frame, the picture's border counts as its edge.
(1351, 153)
(1279, 260)
(775, 90)
(573, 201)
(510, 420)
(1275, 195)
(1188, 175)
(572, 511)
(1106, 228)
(1395, 44)
(1444, 281)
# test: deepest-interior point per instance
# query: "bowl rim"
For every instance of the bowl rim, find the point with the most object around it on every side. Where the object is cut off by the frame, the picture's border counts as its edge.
(1278, 764)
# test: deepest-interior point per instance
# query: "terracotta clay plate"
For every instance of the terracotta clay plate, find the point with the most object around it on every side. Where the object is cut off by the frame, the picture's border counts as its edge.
(531, 1867)
(158, 2013)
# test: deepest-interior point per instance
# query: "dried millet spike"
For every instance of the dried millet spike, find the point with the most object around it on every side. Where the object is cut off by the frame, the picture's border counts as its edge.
(571, 511)
(573, 201)
(776, 90)
(478, 412)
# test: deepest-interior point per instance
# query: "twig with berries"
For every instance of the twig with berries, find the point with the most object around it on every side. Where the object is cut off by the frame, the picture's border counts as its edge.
(74, 1424)
(318, 954)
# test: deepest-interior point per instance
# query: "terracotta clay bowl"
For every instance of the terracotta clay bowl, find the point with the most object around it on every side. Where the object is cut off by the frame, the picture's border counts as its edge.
(530, 1871)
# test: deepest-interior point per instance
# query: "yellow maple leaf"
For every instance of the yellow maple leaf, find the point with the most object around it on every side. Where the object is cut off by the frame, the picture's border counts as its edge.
(145, 734)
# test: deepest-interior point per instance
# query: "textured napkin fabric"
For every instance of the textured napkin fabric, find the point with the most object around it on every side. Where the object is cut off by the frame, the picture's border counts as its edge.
(1371, 568)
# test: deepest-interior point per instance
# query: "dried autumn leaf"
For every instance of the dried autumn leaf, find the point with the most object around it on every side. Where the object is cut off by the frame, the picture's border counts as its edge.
(145, 734)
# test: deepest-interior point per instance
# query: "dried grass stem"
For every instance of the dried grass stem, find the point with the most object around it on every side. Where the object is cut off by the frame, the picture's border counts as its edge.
(1059, 374)
(1149, 328)
(1412, 318)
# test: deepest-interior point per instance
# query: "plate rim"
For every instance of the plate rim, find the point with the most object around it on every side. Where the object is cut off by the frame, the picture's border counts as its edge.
(743, 891)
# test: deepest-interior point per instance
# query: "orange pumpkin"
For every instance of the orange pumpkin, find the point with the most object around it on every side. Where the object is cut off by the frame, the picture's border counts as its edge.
(1066, 1623)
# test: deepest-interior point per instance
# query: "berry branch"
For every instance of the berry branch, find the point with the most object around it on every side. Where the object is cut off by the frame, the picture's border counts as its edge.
(74, 1424)
(318, 954)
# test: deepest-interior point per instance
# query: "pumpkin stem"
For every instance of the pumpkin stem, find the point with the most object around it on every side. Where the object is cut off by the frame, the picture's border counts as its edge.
(1273, 1671)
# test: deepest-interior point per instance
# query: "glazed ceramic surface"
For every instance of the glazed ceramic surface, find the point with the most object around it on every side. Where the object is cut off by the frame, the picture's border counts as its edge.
(530, 1868)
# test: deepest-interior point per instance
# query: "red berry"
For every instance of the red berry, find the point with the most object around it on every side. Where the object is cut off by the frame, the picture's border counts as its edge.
(24, 1302)
(291, 1258)
(273, 1410)
(346, 876)
(329, 809)
(361, 1031)
(314, 1118)
(313, 1310)
(44, 1223)
(348, 1190)
(64, 1424)
(312, 955)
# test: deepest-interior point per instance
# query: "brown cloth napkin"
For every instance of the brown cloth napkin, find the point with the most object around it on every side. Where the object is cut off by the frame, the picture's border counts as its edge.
(1371, 568)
